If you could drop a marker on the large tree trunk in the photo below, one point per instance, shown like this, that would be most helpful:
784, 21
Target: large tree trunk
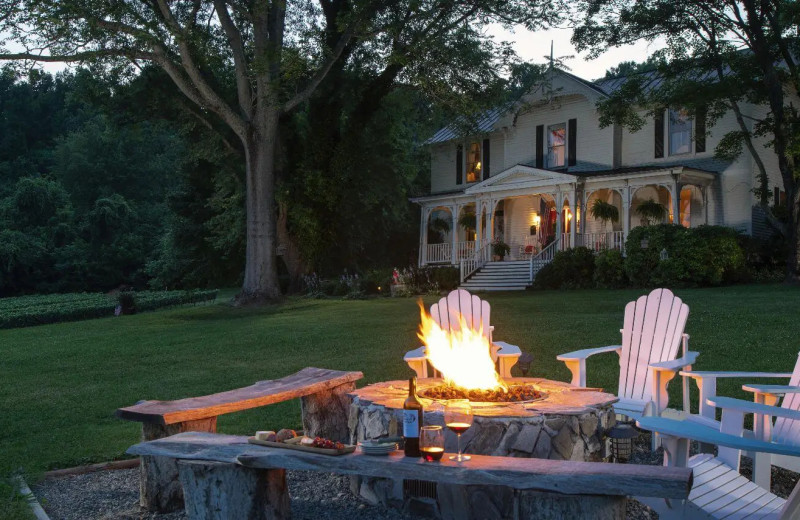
260, 271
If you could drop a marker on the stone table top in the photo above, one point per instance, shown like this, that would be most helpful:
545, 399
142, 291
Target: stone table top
562, 398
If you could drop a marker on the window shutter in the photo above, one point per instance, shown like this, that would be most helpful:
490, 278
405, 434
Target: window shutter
487, 156
700, 129
572, 136
659, 134
459, 164
540, 146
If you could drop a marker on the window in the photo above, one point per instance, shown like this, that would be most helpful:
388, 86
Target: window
474, 162
556, 145
680, 132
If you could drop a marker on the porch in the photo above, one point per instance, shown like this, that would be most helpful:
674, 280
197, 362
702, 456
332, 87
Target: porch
538, 212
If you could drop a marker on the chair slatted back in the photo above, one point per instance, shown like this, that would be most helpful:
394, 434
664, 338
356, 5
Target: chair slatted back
474, 310
787, 431
651, 333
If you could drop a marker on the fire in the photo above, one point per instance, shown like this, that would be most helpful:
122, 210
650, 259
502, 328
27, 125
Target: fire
463, 356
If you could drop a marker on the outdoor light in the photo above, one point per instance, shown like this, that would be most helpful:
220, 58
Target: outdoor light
622, 436
524, 362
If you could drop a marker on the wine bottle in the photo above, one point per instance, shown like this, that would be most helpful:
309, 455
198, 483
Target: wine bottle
412, 420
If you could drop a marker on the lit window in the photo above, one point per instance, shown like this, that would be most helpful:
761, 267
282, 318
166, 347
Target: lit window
556, 145
680, 132
473, 162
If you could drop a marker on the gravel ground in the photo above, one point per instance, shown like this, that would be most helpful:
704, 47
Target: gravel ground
114, 494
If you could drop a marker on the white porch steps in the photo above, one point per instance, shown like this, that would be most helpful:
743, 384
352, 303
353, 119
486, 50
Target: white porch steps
500, 276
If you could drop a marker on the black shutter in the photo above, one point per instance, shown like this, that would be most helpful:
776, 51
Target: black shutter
459, 164
700, 130
572, 136
540, 146
487, 157
659, 134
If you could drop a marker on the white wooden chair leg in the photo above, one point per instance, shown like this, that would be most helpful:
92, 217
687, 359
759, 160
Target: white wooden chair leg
762, 430
578, 369
420, 367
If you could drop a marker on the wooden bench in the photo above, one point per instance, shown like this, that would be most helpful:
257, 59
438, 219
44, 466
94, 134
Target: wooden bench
225, 477
324, 404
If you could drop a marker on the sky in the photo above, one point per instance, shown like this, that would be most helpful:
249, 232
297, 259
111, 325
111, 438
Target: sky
535, 47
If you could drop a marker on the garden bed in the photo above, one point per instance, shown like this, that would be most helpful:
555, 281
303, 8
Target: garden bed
26, 311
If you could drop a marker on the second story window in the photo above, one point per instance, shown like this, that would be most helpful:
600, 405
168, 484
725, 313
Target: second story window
556, 145
680, 132
474, 162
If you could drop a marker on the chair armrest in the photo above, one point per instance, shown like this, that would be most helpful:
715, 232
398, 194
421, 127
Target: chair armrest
587, 352
771, 389
576, 361
697, 432
417, 353
507, 349
675, 364
729, 403
701, 374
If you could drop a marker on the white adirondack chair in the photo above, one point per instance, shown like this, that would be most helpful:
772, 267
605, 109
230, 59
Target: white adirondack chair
718, 490
476, 313
785, 431
651, 337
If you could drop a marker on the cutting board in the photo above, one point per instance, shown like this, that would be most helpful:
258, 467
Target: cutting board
294, 444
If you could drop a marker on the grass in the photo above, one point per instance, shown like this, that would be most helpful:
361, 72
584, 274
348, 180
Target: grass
61, 383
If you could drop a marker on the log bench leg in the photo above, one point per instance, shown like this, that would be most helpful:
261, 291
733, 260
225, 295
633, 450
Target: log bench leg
224, 491
159, 487
325, 414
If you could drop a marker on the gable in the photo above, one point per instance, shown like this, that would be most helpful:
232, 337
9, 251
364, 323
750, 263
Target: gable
519, 176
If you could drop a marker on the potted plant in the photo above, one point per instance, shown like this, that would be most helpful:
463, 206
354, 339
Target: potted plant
604, 211
499, 250
651, 212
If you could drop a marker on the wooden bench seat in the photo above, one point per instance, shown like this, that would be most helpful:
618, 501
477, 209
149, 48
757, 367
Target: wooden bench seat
324, 404
539, 488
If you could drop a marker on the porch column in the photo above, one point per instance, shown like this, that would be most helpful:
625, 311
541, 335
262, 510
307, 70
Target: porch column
489, 222
423, 242
573, 206
676, 200
478, 224
559, 217
626, 211
454, 237
704, 193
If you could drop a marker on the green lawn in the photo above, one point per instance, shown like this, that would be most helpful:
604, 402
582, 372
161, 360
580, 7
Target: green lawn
60, 384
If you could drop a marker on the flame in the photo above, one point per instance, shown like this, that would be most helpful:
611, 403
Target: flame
463, 356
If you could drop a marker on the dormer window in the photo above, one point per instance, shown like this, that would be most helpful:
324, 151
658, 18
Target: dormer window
474, 162
556, 145
680, 132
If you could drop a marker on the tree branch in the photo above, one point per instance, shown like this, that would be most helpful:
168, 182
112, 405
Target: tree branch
321, 73
243, 89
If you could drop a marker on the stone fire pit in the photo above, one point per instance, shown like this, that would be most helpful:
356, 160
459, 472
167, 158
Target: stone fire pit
568, 424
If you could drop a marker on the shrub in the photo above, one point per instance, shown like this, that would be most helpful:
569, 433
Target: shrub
570, 269
675, 256
377, 281
446, 278
609, 270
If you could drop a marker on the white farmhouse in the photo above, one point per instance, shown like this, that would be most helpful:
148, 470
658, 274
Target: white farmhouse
535, 170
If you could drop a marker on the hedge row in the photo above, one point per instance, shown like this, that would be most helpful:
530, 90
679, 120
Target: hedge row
26, 311
656, 256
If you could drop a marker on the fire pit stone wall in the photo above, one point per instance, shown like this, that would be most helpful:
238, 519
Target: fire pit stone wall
568, 424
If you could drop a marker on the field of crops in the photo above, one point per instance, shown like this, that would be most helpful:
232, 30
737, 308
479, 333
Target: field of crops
24, 311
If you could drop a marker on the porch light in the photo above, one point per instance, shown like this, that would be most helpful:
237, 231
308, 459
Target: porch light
569, 215
478, 165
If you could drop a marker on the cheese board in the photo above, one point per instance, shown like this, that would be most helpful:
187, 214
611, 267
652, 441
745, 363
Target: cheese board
294, 444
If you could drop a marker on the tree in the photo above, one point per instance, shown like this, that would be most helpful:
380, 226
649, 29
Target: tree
246, 65
719, 56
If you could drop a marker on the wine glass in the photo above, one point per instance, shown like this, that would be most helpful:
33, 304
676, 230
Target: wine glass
458, 417
431, 443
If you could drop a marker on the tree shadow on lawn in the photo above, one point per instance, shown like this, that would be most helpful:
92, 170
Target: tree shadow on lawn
229, 312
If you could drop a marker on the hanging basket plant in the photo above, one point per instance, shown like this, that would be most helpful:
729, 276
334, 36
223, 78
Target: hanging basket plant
605, 211
468, 221
651, 212
437, 228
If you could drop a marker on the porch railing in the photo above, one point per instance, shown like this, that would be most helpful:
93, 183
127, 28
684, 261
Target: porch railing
438, 253
468, 266
464, 250
544, 257
601, 241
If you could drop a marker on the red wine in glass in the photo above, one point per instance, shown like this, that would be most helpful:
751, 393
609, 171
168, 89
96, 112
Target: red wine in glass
432, 454
458, 427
